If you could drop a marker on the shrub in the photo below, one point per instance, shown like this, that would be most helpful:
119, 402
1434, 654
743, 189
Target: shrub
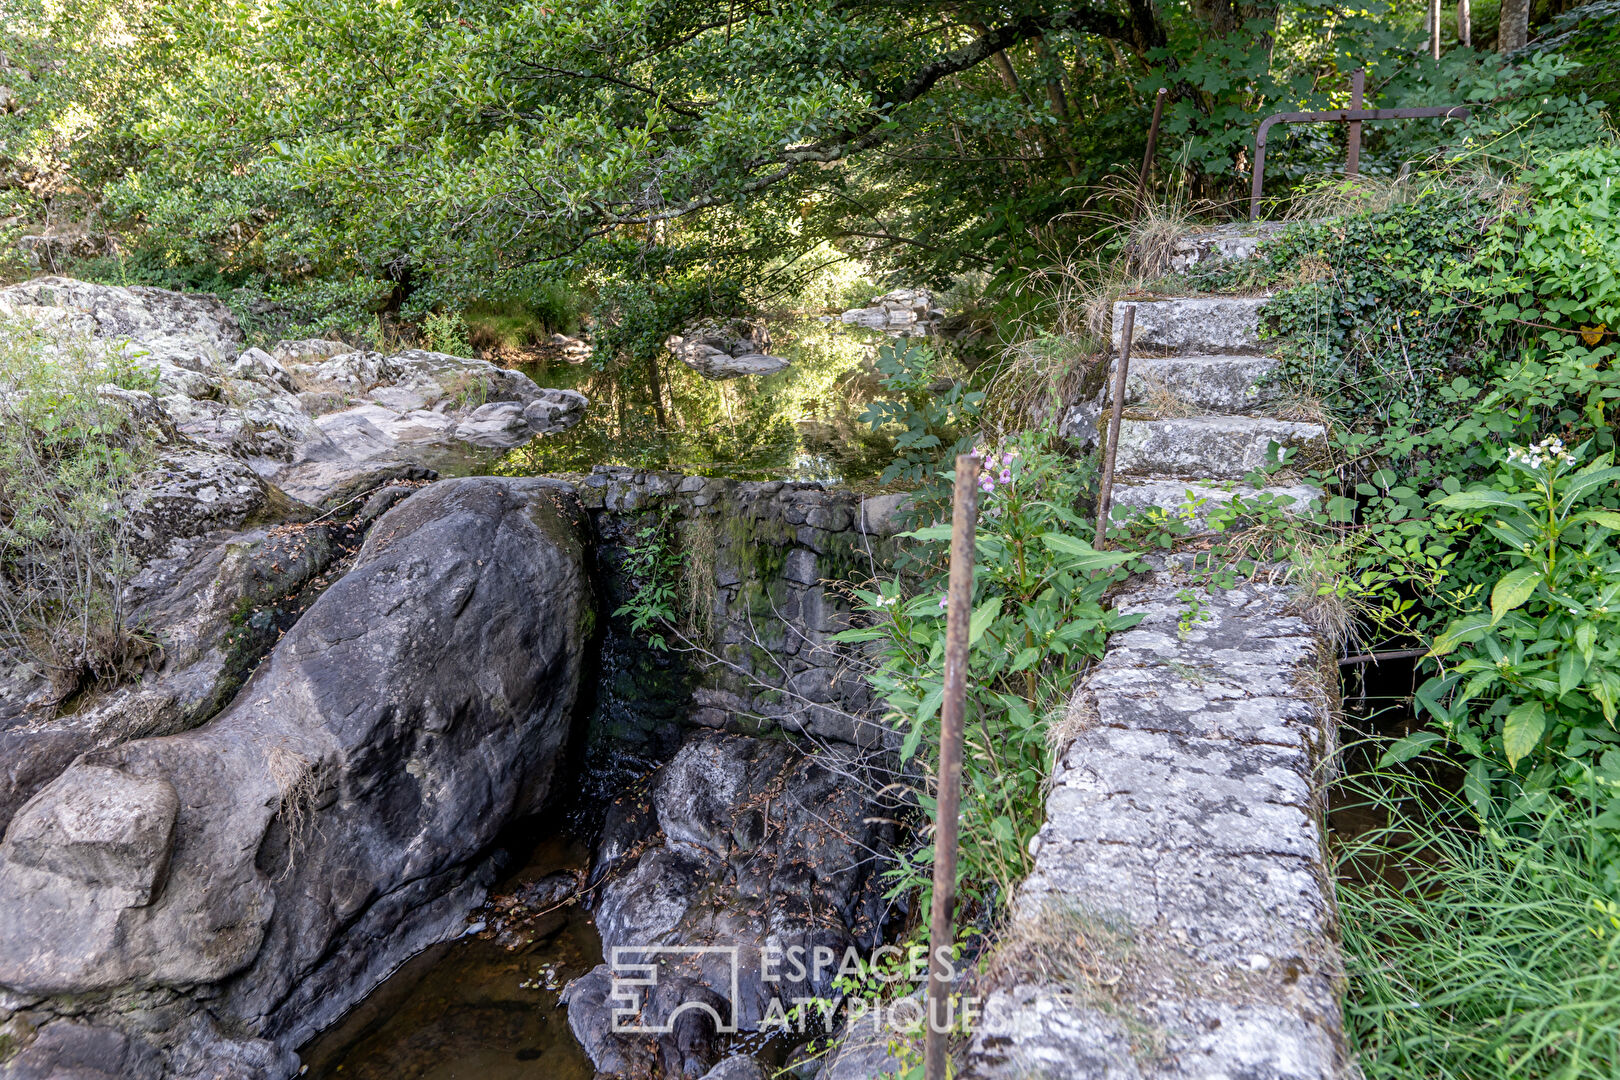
68, 459
1038, 618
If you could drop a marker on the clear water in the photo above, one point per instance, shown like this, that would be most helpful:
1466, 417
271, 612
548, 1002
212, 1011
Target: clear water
479, 1008
799, 424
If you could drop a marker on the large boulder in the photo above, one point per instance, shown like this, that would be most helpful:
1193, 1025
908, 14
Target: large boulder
260, 874
745, 844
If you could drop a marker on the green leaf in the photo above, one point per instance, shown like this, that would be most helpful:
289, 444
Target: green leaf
930, 704
1481, 500
1025, 658
1571, 670
1522, 730
1460, 632
1086, 557
982, 618
1408, 748
1513, 590
1607, 518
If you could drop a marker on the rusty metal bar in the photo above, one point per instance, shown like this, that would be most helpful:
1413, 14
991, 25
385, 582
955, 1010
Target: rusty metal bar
1342, 116
1147, 158
958, 612
1105, 493
1358, 86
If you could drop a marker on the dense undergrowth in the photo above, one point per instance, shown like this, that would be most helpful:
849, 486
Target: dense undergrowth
1459, 339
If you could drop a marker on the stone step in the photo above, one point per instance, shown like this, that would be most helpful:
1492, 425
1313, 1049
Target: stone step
1193, 326
1212, 447
1192, 501
1220, 384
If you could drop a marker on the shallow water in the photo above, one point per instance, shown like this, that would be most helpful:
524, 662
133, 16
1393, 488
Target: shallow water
474, 1009
799, 424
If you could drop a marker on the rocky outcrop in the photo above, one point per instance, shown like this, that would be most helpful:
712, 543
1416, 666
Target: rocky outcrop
726, 351
741, 845
198, 904
311, 416
899, 311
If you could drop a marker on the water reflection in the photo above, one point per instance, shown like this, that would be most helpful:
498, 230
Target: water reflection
476, 1008
799, 424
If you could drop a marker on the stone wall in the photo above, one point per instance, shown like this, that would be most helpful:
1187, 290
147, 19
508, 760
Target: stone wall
765, 566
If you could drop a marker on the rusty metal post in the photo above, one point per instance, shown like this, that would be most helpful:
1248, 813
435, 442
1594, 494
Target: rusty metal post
1358, 86
1147, 158
1105, 493
958, 612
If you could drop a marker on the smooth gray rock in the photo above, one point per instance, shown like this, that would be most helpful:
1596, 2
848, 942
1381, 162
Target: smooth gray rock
1203, 325
899, 311
884, 515
555, 411
497, 424
1210, 384
1213, 447
736, 1067
104, 829
331, 820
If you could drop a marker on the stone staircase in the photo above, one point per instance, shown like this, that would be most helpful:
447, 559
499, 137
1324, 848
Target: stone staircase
1202, 354
1179, 920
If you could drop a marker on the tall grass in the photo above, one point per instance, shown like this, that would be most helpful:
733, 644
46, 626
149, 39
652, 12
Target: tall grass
1476, 953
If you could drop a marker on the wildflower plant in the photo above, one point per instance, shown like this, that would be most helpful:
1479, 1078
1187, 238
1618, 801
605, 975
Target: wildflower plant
1530, 686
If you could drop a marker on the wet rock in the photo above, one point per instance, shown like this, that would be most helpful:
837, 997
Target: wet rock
736, 1067
762, 845
899, 311
330, 822
727, 351
555, 411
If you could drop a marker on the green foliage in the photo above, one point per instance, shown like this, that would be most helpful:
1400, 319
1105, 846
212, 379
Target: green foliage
446, 332
653, 565
1037, 618
1531, 686
1473, 952
68, 460
933, 414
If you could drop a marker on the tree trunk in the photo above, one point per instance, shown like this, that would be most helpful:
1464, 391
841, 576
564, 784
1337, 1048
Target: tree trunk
1434, 28
1514, 28
1059, 101
1465, 24
656, 385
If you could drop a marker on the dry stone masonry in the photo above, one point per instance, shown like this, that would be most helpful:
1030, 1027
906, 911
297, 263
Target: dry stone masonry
1180, 914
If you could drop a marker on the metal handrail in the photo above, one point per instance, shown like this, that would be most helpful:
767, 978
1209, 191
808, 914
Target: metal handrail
1353, 116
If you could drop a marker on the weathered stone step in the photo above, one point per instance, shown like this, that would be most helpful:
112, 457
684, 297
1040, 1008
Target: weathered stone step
1191, 326
1222, 384
1193, 501
1212, 447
